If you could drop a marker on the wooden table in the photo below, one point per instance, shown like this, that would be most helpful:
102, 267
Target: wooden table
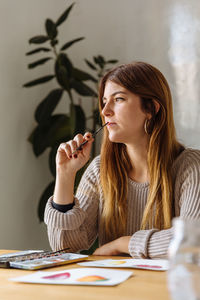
144, 285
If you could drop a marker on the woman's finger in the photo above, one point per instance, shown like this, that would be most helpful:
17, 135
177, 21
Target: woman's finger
82, 141
70, 147
88, 136
73, 144
65, 147
79, 139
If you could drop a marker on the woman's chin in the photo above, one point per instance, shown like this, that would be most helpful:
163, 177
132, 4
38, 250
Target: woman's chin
115, 139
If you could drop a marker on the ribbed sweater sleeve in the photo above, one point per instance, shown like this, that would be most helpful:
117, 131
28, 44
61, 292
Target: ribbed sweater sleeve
154, 243
62, 207
76, 228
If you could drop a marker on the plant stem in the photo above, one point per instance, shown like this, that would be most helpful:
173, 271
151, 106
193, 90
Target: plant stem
55, 51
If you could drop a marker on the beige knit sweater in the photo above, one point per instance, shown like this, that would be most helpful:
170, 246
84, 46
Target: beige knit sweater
79, 227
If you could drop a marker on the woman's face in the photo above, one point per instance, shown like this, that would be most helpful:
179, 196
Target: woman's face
122, 109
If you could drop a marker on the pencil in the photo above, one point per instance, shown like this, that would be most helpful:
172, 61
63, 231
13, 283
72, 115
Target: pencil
93, 135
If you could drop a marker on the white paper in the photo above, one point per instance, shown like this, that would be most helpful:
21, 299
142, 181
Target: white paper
147, 264
80, 276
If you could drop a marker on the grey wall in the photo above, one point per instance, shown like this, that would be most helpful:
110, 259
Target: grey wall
162, 32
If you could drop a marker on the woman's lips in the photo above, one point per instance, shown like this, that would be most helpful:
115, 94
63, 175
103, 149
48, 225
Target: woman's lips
110, 124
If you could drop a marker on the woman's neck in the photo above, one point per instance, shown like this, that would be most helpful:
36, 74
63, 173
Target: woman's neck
138, 157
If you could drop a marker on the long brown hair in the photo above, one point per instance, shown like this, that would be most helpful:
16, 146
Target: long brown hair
150, 85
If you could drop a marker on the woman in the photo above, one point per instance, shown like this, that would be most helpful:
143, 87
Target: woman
142, 179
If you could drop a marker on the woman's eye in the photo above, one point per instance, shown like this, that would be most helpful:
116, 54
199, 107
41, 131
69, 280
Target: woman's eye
119, 99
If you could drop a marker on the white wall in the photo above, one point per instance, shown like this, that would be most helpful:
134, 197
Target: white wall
162, 32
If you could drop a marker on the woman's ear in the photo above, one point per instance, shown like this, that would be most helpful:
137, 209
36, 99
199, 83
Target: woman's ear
157, 105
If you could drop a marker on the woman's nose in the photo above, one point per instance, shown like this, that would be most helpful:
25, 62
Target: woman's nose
107, 110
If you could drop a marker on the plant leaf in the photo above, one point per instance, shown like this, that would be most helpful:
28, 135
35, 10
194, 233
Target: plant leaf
43, 49
48, 192
38, 62
112, 61
48, 104
50, 132
51, 29
39, 81
72, 118
63, 60
54, 42
63, 71
82, 76
52, 159
77, 120
80, 120
82, 89
60, 131
30, 138
92, 66
39, 39
70, 43
64, 16
99, 60
52, 154
97, 117
62, 77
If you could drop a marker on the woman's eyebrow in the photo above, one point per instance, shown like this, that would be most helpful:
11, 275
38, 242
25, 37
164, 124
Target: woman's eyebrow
115, 93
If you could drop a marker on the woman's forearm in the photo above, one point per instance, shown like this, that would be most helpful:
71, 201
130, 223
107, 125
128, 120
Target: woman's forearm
116, 247
64, 189
123, 243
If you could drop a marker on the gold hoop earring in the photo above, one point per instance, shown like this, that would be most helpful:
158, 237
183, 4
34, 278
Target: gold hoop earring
146, 124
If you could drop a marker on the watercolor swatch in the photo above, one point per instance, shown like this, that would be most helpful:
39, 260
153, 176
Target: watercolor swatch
146, 264
79, 276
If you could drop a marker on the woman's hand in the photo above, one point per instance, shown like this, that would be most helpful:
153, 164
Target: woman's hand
70, 160
116, 247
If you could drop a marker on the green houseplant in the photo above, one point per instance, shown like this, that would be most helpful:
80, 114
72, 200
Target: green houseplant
51, 129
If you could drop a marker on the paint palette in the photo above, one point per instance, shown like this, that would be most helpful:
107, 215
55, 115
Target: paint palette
79, 276
29, 260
